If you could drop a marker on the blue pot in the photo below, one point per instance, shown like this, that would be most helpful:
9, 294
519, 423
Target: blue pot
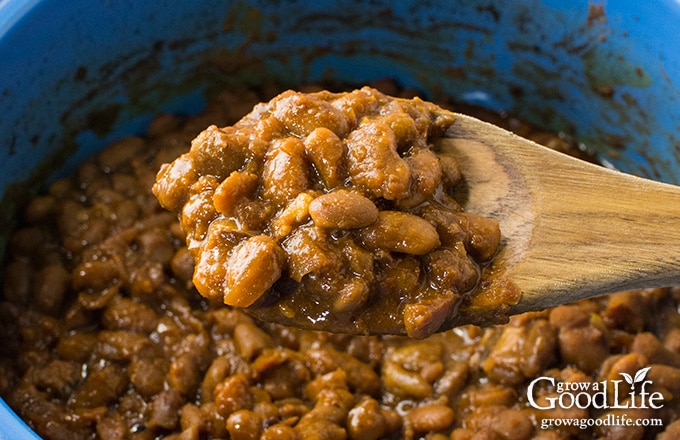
75, 75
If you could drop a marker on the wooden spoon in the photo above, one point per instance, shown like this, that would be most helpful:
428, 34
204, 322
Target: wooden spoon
571, 230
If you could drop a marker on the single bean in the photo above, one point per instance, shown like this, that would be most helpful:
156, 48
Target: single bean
185, 373
58, 376
404, 383
268, 129
77, 346
280, 431
218, 370
397, 231
426, 173
360, 376
433, 417
512, 424
491, 395
343, 209
153, 245
174, 179
424, 317
250, 340
199, 211
182, 264
192, 416
121, 345
101, 387
451, 173
521, 352
127, 314
326, 151
571, 315
671, 340
628, 363
245, 425
451, 269
232, 189
233, 394
586, 347
626, 310
285, 173
405, 130
165, 409
483, 235
352, 295
96, 300
95, 274
329, 413
374, 162
309, 251
293, 215
365, 421
253, 268
111, 427
148, 375
211, 266
215, 152
282, 373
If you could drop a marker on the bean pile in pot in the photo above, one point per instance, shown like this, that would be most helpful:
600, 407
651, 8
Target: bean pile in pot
331, 204
106, 337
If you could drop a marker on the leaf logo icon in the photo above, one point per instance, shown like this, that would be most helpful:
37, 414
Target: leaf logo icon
639, 376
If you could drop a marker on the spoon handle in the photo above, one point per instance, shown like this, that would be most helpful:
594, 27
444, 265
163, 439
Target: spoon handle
599, 231
572, 230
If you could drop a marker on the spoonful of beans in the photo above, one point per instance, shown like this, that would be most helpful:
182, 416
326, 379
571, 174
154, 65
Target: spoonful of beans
361, 213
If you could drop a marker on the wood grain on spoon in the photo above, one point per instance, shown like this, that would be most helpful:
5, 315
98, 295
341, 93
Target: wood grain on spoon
572, 230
